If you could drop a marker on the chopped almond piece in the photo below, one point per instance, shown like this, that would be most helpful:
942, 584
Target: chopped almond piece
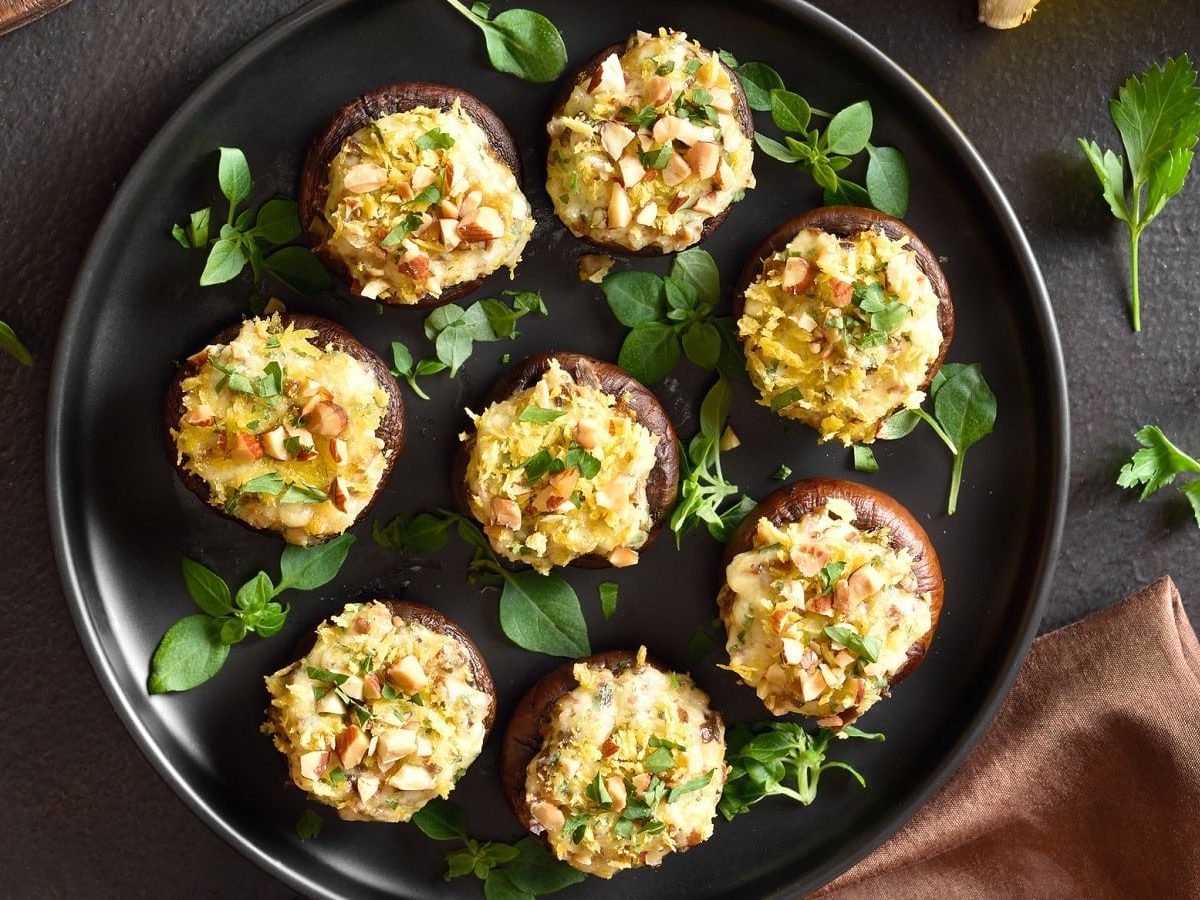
657, 90
352, 746
394, 744
372, 687
722, 99
616, 790
666, 129
642, 780
331, 704
246, 448
327, 419
830, 722
823, 605
485, 225
615, 137
364, 177
619, 213
366, 787
647, 215
414, 265
272, 442
609, 747
505, 512
449, 232
448, 208
412, 778
338, 451
703, 157
691, 133
314, 764
407, 675
313, 388
677, 203
200, 417
352, 687
841, 596
798, 275
586, 434
549, 816
373, 288
623, 557
843, 293
865, 581
843, 658
422, 177
307, 448
594, 266
709, 204
724, 178
677, 171
811, 685
405, 191
793, 650
631, 170
339, 494
424, 747
470, 204
199, 358
611, 78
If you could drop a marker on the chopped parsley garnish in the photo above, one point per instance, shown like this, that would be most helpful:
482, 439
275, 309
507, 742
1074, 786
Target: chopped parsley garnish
783, 473
864, 646
435, 139
410, 223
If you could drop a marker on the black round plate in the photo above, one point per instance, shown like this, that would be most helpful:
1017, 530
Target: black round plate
121, 519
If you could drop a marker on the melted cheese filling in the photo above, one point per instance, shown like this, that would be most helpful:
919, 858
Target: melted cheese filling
843, 335
558, 471
649, 149
380, 717
419, 202
631, 768
802, 581
283, 431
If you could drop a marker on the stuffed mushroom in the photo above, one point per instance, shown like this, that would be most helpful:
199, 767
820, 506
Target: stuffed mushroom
615, 762
845, 317
286, 424
412, 193
384, 713
832, 595
572, 461
650, 145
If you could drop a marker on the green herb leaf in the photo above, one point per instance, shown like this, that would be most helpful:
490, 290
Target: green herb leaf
318, 674
689, 786
898, 425
789, 111
441, 820
233, 174
541, 613
1156, 465
254, 594
413, 535
965, 408
758, 81
864, 458
302, 493
225, 261
521, 42
189, 654
298, 269
536, 872
649, 352
308, 826
410, 223
702, 344
887, 180
597, 792
608, 591
635, 297
11, 344
829, 574
539, 415
786, 398
849, 130
271, 382
498, 885
453, 347
783, 473
435, 139
697, 268
308, 568
277, 221
776, 150
206, 588
864, 646
233, 631
271, 483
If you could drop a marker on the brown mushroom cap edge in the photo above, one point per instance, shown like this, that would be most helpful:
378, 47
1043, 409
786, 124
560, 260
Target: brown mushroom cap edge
846, 221
391, 426
662, 485
741, 112
370, 107
873, 509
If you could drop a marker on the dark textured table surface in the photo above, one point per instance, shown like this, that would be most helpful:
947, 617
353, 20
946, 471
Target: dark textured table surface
84, 89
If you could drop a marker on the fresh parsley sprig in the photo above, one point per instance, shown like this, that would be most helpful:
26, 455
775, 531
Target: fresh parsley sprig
704, 494
195, 648
1158, 117
964, 413
1156, 465
519, 871
668, 314
778, 758
520, 42
824, 155
539, 613
11, 344
252, 238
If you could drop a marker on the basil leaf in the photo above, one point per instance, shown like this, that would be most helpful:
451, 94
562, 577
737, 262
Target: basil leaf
435, 139
649, 352
758, 81
189, 654
411, 535
441, 820
410, 223
497, 885
233, 631
522, 43
608, 591
308, 826
271, 383
402, 361
965, 407
254, 594
442, 318
714, 409
541, 613
789, 111
277, 221
540, 415
536, 872
899, 425
776, 150
702, 344
308, 568
318, 674
688, 786
427, 197
697, 268
635, 297
786, 399
271, 483
476, 324
206, 588
302, 493
453, 347
233, 174
783, 473
864, 459
887, 180
298, 269
225, 261
864, 646
829, 574
849, 130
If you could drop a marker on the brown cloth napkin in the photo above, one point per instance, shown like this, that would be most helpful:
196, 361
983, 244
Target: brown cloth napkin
1086, 785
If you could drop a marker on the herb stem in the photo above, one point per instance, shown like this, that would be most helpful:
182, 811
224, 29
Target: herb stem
955, 483
937, 429
466, 12
1135, 301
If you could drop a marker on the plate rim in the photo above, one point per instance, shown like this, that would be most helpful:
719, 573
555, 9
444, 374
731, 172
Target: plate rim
73, 327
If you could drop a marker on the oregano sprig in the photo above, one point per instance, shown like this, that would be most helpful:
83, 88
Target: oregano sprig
249, 237
825, 154
195, 648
